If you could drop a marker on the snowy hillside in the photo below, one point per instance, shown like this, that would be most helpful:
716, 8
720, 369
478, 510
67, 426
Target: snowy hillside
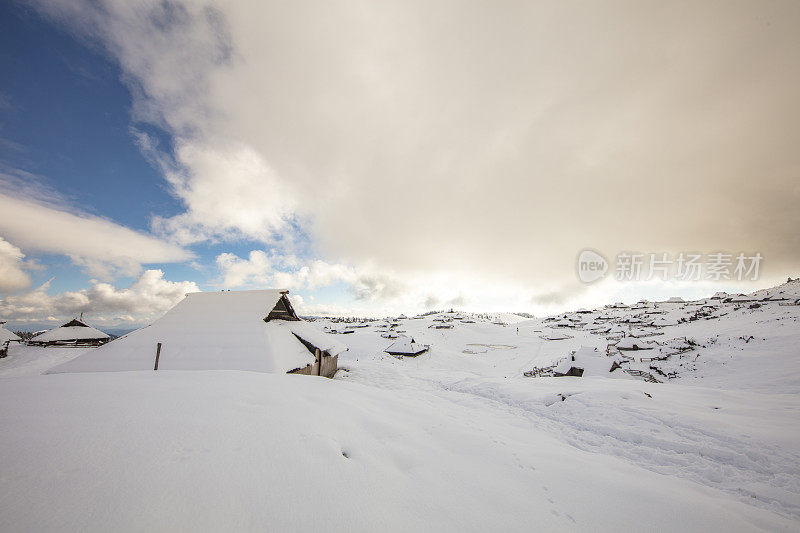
699, 429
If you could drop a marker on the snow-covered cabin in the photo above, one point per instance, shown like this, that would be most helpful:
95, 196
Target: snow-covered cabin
74, 333
407, 346
586, 361
230, 330
6, 335
632, 343
739, 299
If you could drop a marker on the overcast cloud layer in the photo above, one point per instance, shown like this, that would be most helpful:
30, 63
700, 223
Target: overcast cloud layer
458, 144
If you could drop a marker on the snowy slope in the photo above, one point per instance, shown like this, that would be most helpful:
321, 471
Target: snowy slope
213, 451
34, 360
456, 439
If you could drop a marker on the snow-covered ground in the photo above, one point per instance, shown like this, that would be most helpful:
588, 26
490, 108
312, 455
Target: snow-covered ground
454, 439
31, 360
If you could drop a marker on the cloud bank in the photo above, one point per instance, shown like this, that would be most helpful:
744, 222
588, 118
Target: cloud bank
12, 268
36, 219
146, 298
487, 142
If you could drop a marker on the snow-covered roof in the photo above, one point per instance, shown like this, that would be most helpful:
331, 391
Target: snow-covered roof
587, 358
213, 331
631, 343
73, 330
739, 298
6, 335
405, 345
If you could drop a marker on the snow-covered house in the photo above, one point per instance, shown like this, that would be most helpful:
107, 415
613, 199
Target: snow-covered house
229, 330
74, 333
739, 299
6, 335
586, 361
632, 343
407, 346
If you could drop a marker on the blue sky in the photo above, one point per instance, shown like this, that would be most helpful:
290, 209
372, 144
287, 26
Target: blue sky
66, 119
372, 167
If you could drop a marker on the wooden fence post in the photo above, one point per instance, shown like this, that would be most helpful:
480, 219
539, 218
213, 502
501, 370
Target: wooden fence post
158, 354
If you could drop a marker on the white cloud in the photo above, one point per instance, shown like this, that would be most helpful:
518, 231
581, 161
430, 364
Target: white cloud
237, 272
12, 268
147, 297
229, 192
472, 143
38, 220
278, 271
370, 288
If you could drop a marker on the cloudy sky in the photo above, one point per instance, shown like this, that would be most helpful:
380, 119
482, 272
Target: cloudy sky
378, 157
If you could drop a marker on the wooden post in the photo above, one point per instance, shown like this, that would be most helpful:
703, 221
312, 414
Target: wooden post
318, 357
158, 354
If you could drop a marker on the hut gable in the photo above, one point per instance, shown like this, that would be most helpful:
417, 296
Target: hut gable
75, 323
282, 310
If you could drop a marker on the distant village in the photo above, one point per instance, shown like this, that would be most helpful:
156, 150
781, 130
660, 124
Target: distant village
259, 330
